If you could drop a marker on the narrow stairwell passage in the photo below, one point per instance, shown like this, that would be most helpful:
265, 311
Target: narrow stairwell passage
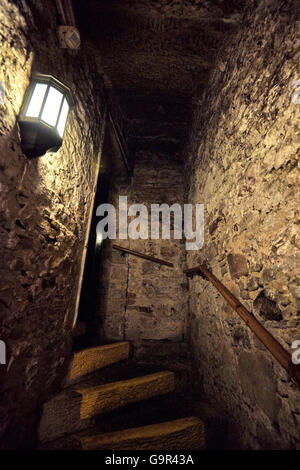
178, 106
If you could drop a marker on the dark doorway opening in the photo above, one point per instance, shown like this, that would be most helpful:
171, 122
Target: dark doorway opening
89, 289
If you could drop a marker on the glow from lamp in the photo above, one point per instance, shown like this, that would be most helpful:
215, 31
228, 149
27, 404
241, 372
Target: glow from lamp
52, 106
99, 238
63, 118
36, 100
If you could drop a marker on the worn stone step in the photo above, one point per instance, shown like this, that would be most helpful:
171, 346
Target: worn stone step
124, 370
89, 360
169, 407
75, 408
181, 434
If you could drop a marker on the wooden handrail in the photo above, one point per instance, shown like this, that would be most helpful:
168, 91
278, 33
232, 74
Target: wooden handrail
275, 348
142, 255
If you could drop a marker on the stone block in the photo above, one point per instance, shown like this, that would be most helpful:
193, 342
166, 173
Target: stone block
237, 265
258, 382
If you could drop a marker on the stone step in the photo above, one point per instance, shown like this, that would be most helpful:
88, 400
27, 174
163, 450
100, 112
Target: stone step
181, 434
168, 407
89, 360
124, 370
75, 408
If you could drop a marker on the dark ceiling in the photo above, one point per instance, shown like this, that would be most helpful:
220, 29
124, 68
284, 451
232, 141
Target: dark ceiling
157, 56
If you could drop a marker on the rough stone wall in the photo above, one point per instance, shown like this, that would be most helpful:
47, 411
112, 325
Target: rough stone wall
44, 207
139, 300
243, 164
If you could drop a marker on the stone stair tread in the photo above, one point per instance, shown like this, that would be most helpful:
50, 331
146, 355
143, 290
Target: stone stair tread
172, 406
180, 434
167, 407
74, 408
91, 359
159, 408
122, 370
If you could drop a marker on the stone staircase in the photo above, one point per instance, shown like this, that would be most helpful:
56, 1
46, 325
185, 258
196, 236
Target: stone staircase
111, 402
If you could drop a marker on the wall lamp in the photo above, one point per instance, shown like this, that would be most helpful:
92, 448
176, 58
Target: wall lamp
43, 115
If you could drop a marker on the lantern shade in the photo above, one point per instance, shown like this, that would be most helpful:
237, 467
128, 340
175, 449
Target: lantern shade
43, 115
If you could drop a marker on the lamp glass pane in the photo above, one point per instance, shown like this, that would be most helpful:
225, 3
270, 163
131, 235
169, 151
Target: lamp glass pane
36, 100
52, 106
63, 117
